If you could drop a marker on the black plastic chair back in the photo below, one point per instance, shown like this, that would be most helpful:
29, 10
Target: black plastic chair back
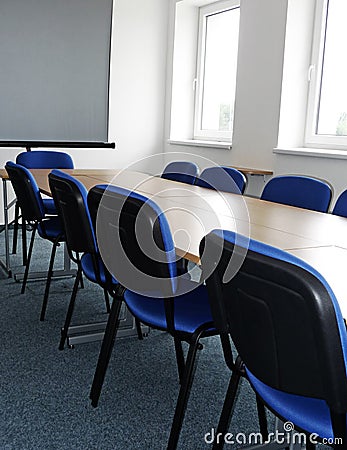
70, 198
27, 192
282, 319
134, 240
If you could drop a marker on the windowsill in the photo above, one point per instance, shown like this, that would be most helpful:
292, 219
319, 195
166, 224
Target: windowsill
200, 143
315, 152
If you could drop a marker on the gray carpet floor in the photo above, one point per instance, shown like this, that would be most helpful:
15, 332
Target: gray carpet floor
44, 392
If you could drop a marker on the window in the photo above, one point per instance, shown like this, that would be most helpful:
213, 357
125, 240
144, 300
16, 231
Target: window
216, 70
327, 103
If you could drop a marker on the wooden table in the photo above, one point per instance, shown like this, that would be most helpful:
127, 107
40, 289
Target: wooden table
318, 238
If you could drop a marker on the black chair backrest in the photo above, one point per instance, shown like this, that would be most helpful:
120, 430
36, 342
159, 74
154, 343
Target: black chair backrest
70, 198
27, 192
283, 318
134, 240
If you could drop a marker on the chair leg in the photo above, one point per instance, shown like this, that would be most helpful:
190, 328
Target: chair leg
69, 313
49, 279
24, 243
81, 279
138, 329
180, 359
228, 405
107, 301
262, 419
26, 272
106, 351
185, 388
15, 229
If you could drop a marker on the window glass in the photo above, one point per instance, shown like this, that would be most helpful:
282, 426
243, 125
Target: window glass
216, 78
332, 116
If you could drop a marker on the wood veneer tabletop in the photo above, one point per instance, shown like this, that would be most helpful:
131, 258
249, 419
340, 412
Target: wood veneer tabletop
250, 171
313, 227
325, 229
319, 228
319, 239
3, 174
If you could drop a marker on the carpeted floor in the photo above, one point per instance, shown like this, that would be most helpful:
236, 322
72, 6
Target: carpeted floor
44, 392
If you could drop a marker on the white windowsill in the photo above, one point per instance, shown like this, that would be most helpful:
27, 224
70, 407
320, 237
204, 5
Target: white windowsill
200, 143
315, 152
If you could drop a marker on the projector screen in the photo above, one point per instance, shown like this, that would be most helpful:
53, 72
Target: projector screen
54, 69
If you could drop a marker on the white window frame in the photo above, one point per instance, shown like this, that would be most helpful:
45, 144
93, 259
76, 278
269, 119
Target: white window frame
312, 139
204, 12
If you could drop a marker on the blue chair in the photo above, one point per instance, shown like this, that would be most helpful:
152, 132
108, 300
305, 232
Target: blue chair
33, 212
219, 178
45, 159
70, 197
300, 191
39, 159
182, 171
154, 294
340, 208
287, 327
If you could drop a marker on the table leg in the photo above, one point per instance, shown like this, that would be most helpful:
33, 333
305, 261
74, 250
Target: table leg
7, 265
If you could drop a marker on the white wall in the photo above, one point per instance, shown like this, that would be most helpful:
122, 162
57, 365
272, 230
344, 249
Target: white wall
138, 76
259, 78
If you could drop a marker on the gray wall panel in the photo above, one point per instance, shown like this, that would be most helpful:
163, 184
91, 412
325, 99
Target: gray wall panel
54, 69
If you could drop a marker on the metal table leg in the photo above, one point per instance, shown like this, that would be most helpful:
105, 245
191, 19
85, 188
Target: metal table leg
7, 265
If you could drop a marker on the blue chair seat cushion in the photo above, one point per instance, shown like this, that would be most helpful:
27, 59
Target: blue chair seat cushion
49, 206
51, 228
308, 414
191, 309
89, 271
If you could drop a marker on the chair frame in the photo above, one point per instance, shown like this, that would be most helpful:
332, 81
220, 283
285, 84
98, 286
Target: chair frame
314, 187
128, 204
181, 171
31, 204
43, 159
234, 180
290, 289
72, 209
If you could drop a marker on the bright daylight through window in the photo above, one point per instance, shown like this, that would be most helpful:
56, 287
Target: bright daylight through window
327, 107
216, 72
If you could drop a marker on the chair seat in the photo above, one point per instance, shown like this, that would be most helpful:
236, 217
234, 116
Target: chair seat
48, 204
309, 414
191, 309
51, 228
88, 269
